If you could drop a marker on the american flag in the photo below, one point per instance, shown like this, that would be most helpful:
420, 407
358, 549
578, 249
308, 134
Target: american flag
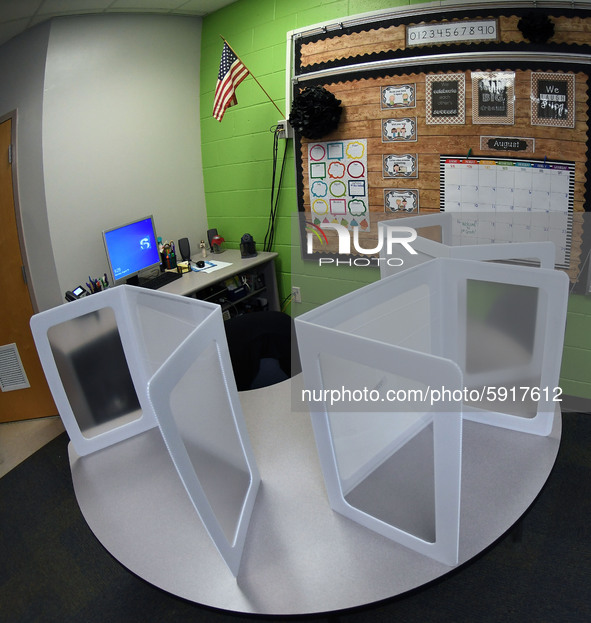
232, 73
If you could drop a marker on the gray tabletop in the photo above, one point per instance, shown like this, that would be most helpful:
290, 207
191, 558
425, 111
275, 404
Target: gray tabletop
300, 556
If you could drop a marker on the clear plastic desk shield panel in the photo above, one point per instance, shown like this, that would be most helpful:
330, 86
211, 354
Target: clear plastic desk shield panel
436, 239
98, 354
199, 413
504, 333
91, 363
509, 329
391, 459
90, 353
501, 347
379, 449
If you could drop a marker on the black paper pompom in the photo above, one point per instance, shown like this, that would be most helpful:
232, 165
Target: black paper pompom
536, 27
315, 112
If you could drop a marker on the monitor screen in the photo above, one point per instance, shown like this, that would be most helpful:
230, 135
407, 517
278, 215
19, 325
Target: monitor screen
131, 248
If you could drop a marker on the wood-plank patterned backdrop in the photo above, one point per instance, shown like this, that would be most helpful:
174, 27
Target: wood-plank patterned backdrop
362, 114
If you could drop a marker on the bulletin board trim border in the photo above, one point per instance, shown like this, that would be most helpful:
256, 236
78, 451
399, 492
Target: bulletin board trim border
453, 12
405, 14
468, 60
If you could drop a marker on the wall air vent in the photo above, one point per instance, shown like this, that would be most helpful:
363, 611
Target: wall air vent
12, 373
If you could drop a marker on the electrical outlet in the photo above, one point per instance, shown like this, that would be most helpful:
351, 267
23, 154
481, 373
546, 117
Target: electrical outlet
284, 129
296, 295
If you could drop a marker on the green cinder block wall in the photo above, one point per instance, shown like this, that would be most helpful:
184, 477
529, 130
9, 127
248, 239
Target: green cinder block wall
238, 151
238, 158
575, 375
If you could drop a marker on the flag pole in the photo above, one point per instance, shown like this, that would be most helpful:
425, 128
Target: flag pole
254, 77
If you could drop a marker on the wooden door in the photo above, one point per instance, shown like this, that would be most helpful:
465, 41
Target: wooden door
16, 310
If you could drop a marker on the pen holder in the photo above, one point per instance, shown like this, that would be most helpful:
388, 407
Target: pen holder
169, 261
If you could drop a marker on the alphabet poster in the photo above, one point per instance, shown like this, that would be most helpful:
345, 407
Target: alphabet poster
338, 183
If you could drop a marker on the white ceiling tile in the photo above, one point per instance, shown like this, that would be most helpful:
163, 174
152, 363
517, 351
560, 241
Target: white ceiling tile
203, 7
146, 5
18, 9
68, 7
11, 29
18, 15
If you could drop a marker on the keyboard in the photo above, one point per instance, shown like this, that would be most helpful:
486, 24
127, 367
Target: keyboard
161, 280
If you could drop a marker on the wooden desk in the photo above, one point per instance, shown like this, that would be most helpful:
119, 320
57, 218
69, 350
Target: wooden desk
202, 285
300, 556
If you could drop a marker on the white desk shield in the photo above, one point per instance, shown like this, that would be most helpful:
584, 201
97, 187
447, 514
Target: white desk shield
128, 359
434, 239
409, 347
197, 407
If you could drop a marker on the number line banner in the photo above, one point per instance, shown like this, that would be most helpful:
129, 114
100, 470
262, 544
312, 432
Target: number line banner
452, 32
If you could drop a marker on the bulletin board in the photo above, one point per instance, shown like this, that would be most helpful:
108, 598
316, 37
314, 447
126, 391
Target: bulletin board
415, 86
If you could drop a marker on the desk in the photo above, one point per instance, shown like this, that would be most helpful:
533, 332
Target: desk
198, 284
300, 556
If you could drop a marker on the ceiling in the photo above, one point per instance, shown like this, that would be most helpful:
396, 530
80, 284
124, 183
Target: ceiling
18, 15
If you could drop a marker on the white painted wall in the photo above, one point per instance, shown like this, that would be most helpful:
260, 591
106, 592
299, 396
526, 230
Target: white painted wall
121, 133
22, 66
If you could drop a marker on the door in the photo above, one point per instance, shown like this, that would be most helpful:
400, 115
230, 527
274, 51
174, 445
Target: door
19, 363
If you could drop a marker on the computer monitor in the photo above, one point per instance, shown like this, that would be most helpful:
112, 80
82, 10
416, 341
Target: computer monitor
131, 249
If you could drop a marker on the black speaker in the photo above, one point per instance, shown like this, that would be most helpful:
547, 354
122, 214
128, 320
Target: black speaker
247, 246
185, 249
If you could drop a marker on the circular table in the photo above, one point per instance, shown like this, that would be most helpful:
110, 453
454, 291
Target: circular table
300, 556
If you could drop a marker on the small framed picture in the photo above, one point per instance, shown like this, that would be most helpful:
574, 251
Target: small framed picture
403, 129
404, 200
400, 165
493, 97
398, 96
553, 99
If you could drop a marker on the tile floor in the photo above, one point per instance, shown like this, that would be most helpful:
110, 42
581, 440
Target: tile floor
18, 440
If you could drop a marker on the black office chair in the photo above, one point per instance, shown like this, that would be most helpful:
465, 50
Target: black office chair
260, 345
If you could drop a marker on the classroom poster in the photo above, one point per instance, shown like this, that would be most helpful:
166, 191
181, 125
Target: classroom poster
398, 96
445, 99
400, 165
493, 97
553, 99
396, 130
339, 183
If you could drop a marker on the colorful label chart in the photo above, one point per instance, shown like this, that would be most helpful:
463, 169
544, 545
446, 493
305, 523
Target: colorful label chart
509, 200
338, 183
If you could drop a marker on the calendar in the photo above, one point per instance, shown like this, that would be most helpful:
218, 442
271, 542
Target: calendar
509, 200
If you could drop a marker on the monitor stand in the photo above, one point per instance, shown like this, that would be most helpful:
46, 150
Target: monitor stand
139, 280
